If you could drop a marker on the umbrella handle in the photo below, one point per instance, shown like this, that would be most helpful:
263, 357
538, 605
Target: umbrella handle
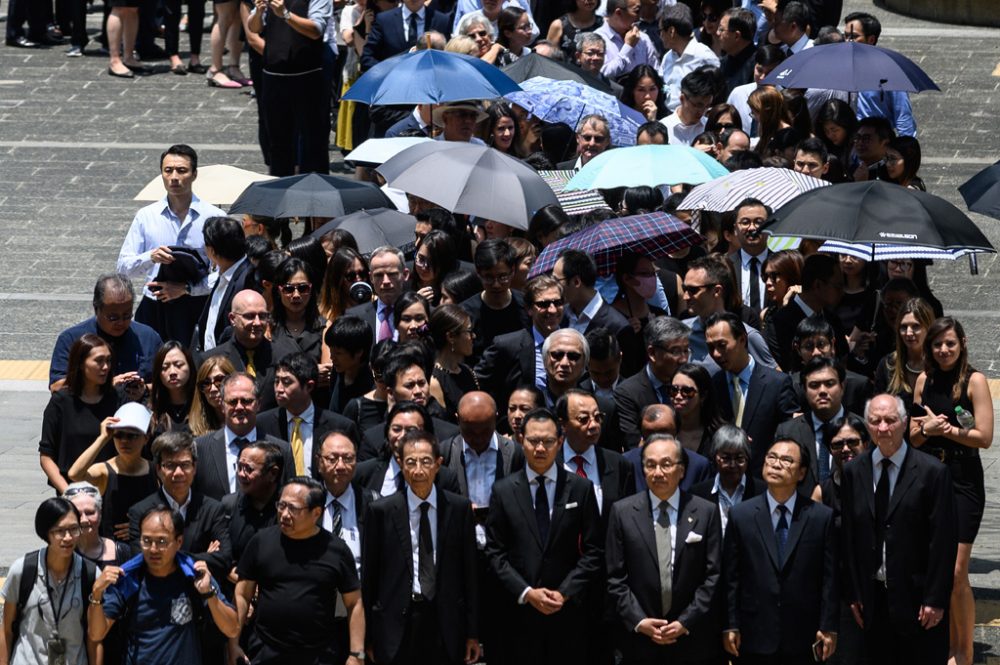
973, 264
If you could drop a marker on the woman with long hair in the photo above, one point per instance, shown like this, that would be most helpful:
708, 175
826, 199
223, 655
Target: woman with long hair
897, 372
524, 257
73, 416
782, 272
901, 163
836, 122
295, 312
410, 315
172, 391
697, 413
206, 409
642, 90
958, 424
346, 267
501, 128
767, 105
434, 259
636, 278
581, 16
459, 286
451, 334
860, 293
721, 117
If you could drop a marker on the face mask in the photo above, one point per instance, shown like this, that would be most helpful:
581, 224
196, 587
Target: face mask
646, 286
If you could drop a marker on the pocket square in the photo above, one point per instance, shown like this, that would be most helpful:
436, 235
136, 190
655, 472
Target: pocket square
571, 505
693, 537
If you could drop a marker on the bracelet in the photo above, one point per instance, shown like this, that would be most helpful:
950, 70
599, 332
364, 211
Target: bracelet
90, 599
360, 655
287, 14
922, 432
208, 595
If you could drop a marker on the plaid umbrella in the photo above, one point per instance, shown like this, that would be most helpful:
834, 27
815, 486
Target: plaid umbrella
774, 186
653, 235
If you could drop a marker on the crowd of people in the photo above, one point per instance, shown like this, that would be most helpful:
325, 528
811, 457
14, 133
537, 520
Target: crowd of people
291, 450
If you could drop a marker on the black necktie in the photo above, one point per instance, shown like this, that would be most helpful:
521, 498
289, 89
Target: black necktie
412, 40
425, 554
241, 442
542, 510
881, 508
338, 518
664, 394
399, 481
781, 532
754, 283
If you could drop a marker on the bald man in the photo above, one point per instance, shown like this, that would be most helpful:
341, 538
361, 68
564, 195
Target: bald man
480, 456
662, 419
249, 350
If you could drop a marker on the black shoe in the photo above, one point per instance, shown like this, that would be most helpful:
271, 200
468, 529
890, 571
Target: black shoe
197, 68
154, 53
139, 69
126, 75
179, 70
47, 41
21, 42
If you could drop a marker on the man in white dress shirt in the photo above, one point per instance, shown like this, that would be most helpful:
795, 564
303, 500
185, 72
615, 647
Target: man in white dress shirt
684, 53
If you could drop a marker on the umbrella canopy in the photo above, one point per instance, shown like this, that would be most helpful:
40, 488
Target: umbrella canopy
573, 203
654, 235
773, 186
850, 66
568, 101
310, 195
217, 184
470, 179
877, 212
374, 228
429, 77
981, 192
532, 65
379, 151
891, 252
651, 165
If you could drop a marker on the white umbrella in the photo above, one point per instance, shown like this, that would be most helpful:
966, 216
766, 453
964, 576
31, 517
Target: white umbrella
218, 184
380, 151
773, 186
890, 252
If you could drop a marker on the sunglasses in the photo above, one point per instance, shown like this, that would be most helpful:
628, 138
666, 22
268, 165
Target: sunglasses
695, 288
686, 391
574, 356
122, 435
356, 275
205, 384
545, 304
305, 288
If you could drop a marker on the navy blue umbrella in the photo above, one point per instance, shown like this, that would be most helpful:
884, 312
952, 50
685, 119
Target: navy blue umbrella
850, 66
429, 77
982, 191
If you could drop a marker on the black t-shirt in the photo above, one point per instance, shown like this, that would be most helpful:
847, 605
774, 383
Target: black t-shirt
70, 425
488, 322
297, 582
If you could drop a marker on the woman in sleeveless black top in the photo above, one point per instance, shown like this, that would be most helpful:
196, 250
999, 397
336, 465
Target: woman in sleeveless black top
946, 384
452, 335
581, 18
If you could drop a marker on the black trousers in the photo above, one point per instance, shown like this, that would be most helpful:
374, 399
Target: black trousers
422, 644
257, 76
776, 659
296, 110
173, 320
171, 25
887, 644
30, 11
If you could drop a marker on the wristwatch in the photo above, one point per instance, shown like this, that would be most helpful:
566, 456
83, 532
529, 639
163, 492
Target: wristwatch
360, 655
287, 14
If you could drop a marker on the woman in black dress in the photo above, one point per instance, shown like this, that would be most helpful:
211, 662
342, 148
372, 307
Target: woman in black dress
947, 386
698, 416
452, 335
897, 372
75, 412
370, 409
581, 16
296, 312
172, 391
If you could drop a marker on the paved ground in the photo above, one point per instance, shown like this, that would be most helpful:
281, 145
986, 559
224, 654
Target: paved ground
76, 145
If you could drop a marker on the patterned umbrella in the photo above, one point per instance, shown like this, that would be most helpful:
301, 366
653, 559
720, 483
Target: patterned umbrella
654, 235
568, 101
774, 186
574, 203
890, 252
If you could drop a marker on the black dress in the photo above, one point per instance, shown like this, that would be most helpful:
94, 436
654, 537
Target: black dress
120, 494
569, 32
963, 462
70, 425
454, 386
366, 412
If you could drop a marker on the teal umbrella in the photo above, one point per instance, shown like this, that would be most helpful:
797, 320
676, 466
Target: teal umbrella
651, 165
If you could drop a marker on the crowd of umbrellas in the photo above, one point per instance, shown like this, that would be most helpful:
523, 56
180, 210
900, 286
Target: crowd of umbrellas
872, 220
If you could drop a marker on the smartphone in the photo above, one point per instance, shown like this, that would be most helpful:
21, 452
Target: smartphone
818, 651
917, 411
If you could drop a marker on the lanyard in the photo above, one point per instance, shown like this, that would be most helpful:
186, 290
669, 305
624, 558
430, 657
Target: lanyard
57, 612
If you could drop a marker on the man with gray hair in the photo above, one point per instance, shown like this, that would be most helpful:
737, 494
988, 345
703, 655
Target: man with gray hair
666, 349
732, 484
565, 355
389, 275
133, 344
593, 136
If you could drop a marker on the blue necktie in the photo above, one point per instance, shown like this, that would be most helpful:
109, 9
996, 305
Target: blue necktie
542, 511
781, 533
412, 40
823, 462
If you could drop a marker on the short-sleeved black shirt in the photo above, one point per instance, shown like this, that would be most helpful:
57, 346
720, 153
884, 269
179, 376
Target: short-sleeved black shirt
297, 582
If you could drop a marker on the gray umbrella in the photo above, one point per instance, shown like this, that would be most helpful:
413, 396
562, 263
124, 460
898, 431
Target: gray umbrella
375, 228
470, 179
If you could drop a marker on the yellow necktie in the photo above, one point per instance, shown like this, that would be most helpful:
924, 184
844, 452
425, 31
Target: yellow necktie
738, 400
251, 370
298, 447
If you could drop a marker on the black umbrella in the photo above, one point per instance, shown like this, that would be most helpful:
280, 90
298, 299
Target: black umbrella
533, 65
375, 228
874, 212
310, 195
982, 192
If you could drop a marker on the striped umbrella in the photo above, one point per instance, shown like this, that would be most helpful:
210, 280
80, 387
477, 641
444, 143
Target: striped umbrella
774, 186
574, 203
653, 235
890, 252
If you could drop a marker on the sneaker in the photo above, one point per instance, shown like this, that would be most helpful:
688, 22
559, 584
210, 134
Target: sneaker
74, 52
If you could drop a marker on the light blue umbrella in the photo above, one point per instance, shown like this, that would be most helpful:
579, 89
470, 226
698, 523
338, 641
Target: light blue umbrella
568, 101
651, 165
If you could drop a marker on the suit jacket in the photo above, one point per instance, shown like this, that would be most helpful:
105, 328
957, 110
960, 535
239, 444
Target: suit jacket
698, 469
769, 401
244, 277
373, 438
386, 37
387, 549
779, 605
370, 474
212, 476
634, 577
266, 356
205, 521
735, 260
779, 332
405, 125
507, 363
857, 390
274, 423
606, 317
631, 396
510, 458
617, 479
800, 428
368, 312
921, 539
568, 165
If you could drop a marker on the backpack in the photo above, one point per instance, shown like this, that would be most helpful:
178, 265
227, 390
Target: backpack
29, 573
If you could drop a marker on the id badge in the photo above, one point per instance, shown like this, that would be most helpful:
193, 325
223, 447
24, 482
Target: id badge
56, 646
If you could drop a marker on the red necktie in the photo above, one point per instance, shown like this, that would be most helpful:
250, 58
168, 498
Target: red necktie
579, 466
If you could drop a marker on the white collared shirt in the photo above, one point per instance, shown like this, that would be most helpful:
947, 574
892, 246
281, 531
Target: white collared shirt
306, 431
674, 67
389, 483
413, 503
349, 531
745, 275
773, 504
589, 467
406, 22
580, 323
182, 508
215, 304
550, 485
673, 511
726, 501
233, 453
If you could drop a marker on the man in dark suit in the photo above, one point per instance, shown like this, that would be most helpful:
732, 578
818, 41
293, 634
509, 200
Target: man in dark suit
662, 419
220, 450
387, 267
666, 349
422, 595
815, 337
515, 358
780, 568
398, 30
664, 559
592, 138
754, 397
748, 259
418, 121
823, 382
586, 309
544, 543
248, 350
731, 484
296, 419
900, 541
226, 247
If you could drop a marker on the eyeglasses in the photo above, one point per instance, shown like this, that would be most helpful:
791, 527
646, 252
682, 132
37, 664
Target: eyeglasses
852, 442
545, 304
496, 279
243, 467
205, 384
414, 462
665, 465
573, 356
771, 275
114, 318
545, 443
294, 510
779, 460
819, 345
170, 467
305, 288
686, 391
122, 435
148, 543
731, 460
332, 459
72, 531
241, 401
746, 222
693, 289
585, 418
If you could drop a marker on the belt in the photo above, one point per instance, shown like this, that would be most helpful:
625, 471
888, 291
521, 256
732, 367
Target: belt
949, 454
